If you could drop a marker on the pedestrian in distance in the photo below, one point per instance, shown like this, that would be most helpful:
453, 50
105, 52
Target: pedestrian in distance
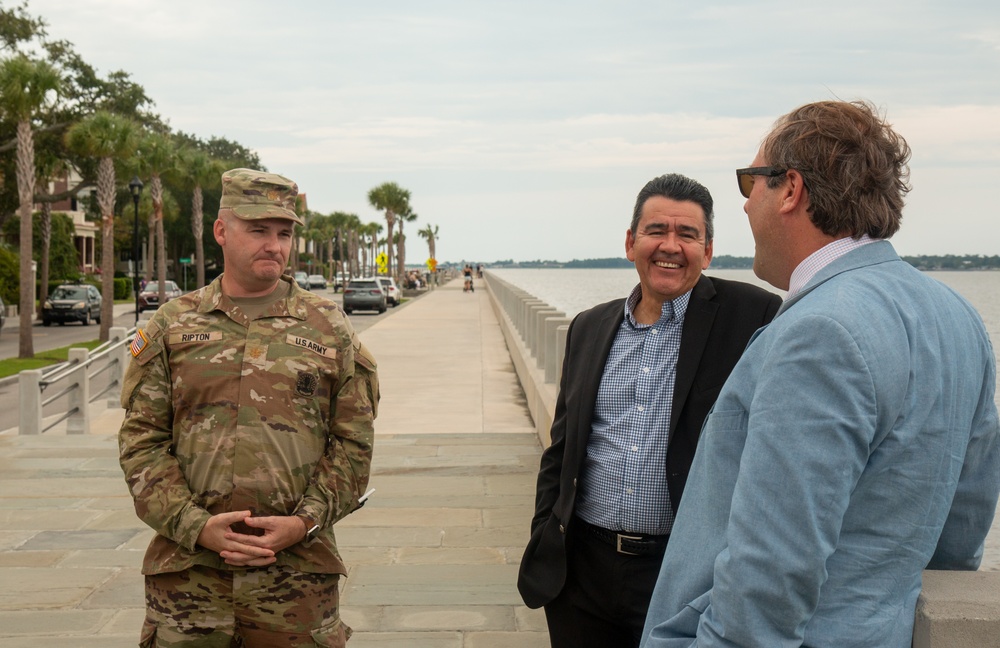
639, 376
856, 443
467, 277
248, 434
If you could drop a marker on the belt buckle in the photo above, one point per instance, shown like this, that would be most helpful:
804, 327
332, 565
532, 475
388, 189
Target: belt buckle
619, 537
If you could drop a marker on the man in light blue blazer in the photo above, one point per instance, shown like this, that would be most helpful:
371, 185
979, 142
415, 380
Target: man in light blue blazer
856, 443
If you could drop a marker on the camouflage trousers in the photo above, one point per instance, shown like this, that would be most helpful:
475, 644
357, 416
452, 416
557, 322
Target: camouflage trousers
267, 607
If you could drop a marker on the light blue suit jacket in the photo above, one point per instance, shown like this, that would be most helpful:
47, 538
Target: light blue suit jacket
855, 444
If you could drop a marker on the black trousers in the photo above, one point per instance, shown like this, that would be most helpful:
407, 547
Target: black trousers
604, 601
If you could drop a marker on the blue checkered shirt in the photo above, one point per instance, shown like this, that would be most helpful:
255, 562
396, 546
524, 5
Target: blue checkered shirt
623, 485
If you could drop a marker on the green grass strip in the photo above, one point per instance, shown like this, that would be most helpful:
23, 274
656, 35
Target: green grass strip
12, 366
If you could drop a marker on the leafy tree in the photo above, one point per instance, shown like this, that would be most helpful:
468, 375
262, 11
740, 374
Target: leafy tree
232, 154
17, 26
65, 260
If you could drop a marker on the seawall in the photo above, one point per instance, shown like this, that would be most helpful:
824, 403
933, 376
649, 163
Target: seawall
955, 609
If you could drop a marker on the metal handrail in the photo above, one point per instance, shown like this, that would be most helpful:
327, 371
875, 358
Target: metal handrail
112, 357
99, 353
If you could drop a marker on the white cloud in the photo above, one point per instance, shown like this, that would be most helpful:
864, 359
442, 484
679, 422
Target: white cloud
525, 128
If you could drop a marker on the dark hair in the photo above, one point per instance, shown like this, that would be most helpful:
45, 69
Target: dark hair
854, 165
676, 187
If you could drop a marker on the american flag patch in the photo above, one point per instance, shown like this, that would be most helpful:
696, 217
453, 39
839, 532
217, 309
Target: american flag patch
138, 343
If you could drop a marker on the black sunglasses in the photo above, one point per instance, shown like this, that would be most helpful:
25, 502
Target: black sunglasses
744, 177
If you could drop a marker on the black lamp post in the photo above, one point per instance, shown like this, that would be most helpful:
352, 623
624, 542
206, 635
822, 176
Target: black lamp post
135, 187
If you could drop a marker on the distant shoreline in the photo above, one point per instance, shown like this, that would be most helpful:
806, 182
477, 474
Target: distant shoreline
725, 262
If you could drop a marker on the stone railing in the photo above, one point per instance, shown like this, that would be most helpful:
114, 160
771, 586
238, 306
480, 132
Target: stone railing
72, 380
536, 337
955, 609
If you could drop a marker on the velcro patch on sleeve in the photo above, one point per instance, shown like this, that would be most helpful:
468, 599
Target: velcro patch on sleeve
194, 337
315, 347
139, 343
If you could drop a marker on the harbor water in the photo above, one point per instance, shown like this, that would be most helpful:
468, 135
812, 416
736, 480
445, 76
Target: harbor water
573, 290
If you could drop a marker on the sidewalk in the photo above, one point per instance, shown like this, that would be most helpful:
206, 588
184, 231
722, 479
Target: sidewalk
433, 556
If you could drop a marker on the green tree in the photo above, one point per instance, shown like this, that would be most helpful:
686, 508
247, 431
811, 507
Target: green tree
392, 198
17, 26
64, 258
9, 275
105, 137
24, 88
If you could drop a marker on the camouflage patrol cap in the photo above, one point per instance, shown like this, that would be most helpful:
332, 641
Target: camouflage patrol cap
254, 195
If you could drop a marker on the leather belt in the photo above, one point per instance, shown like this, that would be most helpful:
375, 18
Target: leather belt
629, 544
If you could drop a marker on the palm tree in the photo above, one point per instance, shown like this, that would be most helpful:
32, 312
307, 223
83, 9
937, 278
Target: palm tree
405, 217
394, 200
105, 136
319, 231
368, 241
430, 234
202, 171
157, 155
341, 224
24, 86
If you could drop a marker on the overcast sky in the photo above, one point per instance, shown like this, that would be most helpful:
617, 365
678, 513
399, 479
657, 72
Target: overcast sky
524, 129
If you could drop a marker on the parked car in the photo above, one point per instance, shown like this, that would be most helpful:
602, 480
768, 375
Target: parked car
302, 279
339, 281
72, 303
317, 282
149, 297
393, 295
364, 294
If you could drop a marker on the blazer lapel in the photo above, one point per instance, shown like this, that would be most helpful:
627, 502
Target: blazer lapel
694, 338
600, 338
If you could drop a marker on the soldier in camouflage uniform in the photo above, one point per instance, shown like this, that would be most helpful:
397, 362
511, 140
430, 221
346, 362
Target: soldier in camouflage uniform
248, 434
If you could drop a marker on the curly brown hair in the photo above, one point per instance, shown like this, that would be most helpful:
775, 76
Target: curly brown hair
854, 166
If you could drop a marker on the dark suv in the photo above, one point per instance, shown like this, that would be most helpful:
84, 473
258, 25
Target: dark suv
364, 294
72, 303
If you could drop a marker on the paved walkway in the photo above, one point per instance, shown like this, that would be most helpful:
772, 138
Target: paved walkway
433, 555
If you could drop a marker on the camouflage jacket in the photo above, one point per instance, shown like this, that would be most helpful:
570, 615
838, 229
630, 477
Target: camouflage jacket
224, 414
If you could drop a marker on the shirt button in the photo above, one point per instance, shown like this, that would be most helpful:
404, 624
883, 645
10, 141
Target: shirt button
641, 408
635, 448
628, 490
645, 370
654, 331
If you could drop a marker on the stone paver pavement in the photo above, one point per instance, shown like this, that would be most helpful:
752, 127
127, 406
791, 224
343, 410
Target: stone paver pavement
433, 555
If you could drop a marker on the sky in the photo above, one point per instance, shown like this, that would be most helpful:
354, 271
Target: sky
524, 129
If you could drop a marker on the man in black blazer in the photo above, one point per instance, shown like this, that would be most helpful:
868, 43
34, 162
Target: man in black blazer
639, 377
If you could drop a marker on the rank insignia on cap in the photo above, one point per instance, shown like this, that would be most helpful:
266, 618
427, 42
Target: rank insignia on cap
139, 343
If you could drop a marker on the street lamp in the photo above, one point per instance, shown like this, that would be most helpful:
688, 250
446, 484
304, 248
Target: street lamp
135, 187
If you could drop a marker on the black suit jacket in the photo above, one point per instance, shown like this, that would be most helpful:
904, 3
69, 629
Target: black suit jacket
720, 318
